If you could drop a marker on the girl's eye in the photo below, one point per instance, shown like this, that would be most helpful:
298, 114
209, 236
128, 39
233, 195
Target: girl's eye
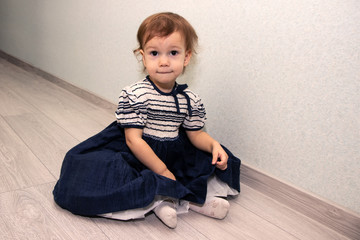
154, 53
173, 53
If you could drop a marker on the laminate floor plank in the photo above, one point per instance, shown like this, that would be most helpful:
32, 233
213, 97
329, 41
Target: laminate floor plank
63, 109
39, 90
13, 104
5, 231
47, 140
77, 124
102, 116
77, 227
55, 102
25, 218
282, 216
21, 165
31, 85
149, 228
320, 210
31, 214
12, 73
8, 182
240, 223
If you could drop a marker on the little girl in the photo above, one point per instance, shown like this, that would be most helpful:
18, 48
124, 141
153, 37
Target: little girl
155, 157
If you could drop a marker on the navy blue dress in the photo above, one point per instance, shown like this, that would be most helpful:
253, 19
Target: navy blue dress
101, 175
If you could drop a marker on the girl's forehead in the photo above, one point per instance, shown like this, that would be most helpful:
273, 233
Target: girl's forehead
174, 38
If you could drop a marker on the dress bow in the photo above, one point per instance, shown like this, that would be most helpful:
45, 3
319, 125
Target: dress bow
180, 89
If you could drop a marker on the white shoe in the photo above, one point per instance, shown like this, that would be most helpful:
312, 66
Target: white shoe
167, 214
214, 207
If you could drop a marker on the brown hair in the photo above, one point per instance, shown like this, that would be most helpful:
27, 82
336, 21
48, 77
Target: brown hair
164, 24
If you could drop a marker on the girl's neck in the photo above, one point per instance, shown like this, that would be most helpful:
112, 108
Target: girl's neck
165, 88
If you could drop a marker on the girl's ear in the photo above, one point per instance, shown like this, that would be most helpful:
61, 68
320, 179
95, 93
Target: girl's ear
143, 57
187, 57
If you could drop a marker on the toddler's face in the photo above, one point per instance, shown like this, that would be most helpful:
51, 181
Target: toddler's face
164, 59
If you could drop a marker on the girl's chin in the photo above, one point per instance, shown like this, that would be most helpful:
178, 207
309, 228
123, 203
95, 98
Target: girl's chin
165, 86
164, 79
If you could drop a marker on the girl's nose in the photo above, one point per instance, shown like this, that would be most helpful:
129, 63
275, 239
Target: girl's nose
163, 61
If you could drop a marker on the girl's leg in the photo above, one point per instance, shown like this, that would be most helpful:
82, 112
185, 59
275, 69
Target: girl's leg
214, 207
167, 213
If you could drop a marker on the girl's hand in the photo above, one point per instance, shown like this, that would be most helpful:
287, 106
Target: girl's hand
145, 154
220, 158
168, 174
203, 141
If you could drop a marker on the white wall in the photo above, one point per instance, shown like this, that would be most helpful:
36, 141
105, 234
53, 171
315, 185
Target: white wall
280, 79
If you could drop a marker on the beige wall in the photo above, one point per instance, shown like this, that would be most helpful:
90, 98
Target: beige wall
280, 79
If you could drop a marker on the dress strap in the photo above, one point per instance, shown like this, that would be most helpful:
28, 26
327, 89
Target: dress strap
180, 89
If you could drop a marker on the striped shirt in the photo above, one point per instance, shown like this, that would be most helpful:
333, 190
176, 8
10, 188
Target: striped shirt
160, 115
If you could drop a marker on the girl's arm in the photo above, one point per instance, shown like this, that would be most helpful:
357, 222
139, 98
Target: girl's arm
144, 153
203, 141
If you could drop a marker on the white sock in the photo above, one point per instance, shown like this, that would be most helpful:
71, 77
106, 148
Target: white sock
167, 214
214, 207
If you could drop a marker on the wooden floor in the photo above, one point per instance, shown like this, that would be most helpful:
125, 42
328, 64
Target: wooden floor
40, 121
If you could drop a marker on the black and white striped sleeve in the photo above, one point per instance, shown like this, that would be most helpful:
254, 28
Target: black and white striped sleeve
131, 112
196, 120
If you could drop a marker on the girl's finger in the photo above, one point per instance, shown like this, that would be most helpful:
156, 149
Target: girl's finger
214, 159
